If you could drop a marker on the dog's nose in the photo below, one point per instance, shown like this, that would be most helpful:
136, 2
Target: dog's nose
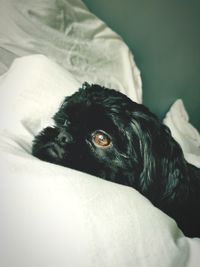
64, 137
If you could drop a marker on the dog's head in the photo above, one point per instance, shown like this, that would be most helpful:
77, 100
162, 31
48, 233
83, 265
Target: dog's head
102, 132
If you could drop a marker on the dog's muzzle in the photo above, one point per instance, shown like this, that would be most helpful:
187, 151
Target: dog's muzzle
63, 137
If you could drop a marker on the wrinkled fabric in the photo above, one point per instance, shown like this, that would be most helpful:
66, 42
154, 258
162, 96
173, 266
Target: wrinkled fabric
177, 119
68, 33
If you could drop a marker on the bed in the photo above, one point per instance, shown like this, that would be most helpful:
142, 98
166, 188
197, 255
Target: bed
51, 216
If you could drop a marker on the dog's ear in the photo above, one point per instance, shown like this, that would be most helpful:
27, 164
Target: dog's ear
142, 141
162, 160
172, 165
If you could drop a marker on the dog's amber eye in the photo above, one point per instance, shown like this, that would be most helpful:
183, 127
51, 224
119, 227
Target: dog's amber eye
101, 139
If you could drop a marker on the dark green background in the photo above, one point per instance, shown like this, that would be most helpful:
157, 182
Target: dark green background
164, 36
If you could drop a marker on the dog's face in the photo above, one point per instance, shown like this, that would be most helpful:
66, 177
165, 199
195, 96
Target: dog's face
93, 133
102, 132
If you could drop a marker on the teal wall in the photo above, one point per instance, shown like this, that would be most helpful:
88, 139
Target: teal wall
164, 36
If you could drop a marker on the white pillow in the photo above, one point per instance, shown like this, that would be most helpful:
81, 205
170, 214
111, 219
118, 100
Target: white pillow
51, 216
177, 119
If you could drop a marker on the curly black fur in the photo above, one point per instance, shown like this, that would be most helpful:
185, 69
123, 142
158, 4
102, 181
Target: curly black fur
142, 153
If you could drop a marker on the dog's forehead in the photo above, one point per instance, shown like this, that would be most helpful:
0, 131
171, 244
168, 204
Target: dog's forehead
82, 112
97, 99
91, 112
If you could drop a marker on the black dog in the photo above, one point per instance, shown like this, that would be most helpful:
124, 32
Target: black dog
102, 132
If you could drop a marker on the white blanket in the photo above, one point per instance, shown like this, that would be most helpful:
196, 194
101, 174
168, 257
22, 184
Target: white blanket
68, 33
53, 216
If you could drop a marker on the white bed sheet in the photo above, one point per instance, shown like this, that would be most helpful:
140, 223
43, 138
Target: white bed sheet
68, 33
53, 216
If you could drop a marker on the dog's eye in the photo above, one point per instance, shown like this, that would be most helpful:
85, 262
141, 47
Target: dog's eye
101, 139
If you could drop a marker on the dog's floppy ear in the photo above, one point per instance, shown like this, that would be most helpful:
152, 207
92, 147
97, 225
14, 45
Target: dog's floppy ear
161, 156
142, 138
172, 165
